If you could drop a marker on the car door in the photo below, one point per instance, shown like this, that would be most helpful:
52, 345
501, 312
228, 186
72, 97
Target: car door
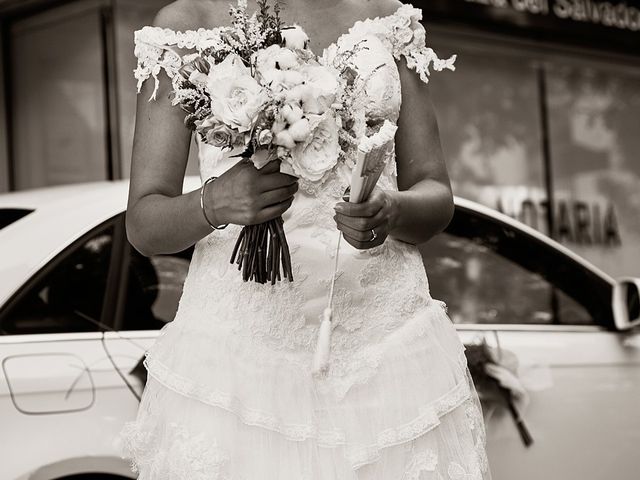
150, 291
552, 315
56, 380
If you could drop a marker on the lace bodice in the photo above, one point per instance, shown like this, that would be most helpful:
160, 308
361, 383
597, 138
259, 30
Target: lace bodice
376, 290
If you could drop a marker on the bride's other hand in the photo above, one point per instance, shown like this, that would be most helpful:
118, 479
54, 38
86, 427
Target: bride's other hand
359, 221
244, 195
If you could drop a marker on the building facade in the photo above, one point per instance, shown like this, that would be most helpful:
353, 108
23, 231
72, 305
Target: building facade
541, 119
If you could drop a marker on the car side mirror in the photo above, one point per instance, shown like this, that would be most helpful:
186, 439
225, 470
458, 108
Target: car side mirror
626, 303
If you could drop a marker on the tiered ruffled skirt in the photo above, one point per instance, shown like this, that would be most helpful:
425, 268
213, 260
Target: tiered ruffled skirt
215, 407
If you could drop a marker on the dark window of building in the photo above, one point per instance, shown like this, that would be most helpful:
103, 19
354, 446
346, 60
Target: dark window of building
59, 120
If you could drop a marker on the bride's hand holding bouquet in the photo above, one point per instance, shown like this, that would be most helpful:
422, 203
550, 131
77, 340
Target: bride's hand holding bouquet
244, 195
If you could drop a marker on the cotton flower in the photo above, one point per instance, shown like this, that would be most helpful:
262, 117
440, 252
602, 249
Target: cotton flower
299, 94
295, 37
286, 59
264, 59
300, 130
278, 125
274, 79
284, 139
291, 113
275, 57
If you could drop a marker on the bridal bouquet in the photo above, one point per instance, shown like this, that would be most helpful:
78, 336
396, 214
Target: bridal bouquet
260, 93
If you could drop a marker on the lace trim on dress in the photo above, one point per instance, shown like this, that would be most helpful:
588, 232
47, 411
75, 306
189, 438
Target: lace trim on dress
405, 36
428, 419
154, 50
401, 31
201, 454
358, 455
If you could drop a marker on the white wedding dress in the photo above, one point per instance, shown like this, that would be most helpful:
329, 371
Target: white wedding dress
230, 394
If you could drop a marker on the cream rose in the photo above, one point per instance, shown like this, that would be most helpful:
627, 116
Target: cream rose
236, 97
220, 136
323, 88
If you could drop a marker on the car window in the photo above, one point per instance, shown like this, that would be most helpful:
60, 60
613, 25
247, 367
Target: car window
154, 288
68, 293
490, 273
10, 215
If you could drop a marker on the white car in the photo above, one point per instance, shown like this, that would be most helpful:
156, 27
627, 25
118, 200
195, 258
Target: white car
79, 306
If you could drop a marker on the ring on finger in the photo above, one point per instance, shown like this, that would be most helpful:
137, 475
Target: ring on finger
374, 235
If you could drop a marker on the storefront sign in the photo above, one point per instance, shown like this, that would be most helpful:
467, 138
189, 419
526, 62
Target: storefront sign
618, 15
612, 25
576, 222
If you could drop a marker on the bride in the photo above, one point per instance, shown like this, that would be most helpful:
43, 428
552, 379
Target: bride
230, 392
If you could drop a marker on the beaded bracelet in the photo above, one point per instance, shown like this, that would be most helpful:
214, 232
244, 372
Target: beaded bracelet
204, 212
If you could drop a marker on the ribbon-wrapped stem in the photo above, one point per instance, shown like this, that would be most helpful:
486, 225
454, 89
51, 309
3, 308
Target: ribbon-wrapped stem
260, 251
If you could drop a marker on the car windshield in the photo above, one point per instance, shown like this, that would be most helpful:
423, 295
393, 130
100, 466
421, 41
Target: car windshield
10, 215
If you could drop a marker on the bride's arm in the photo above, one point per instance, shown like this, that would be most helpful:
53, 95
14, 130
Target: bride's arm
159, 218
423, 206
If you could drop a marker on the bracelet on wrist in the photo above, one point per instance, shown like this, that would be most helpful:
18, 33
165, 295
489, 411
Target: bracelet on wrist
202, 207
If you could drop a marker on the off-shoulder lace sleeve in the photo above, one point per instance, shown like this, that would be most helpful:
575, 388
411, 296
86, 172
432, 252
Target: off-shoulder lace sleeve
405, 36
154, 48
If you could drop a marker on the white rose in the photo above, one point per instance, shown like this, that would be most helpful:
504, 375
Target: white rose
295, 37
323, 83
318, 154
236, 97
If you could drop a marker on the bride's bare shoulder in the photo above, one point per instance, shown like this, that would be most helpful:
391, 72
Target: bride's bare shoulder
182, 15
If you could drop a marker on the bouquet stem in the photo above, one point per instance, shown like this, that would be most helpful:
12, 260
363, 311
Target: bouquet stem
260, 251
